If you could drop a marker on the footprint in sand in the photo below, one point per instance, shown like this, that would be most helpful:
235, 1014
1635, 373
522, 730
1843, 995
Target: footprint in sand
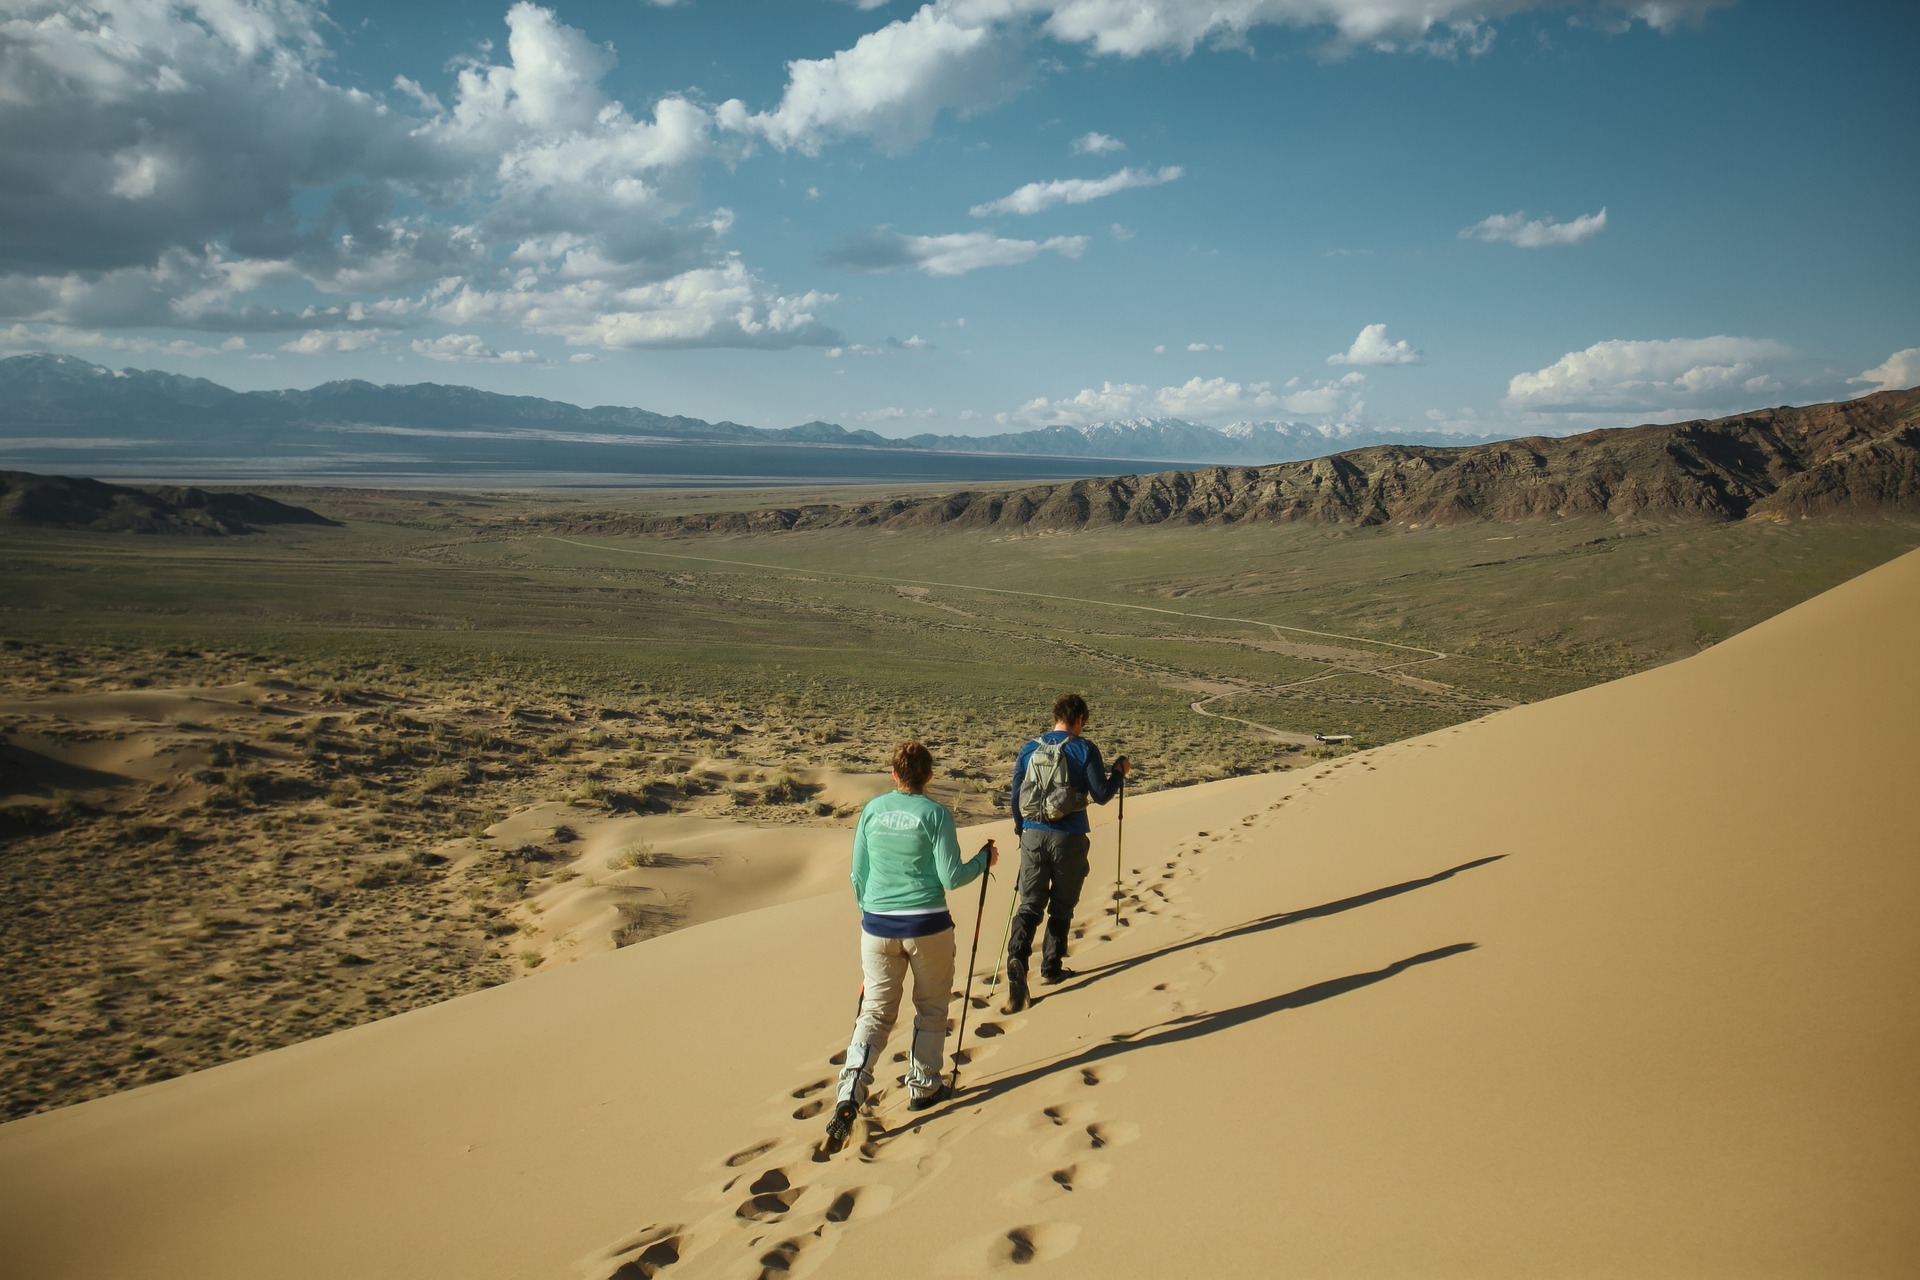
779, 1260
1081, 1175
646, 1254
773, 1195
740, 1157
1016, 1247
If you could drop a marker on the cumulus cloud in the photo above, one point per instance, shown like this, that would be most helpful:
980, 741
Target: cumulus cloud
891, 84
720, 306
178, 165
1132, 28
41, 337
467, 348
948, 255
1337, 399
1037, 197
1197, 399
1535, 233
1896, 373
318, 342
1096, 144
1673, 374
1372, 348
1205, 346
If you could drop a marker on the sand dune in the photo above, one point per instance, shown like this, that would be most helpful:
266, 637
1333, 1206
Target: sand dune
1618, 984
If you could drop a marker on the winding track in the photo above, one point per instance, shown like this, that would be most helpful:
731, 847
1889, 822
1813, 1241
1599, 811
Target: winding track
1199, 707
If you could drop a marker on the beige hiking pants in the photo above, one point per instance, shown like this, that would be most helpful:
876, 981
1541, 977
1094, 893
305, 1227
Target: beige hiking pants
884, 963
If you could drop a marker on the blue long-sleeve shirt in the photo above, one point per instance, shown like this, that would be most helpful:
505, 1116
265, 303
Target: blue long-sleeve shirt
1084, 770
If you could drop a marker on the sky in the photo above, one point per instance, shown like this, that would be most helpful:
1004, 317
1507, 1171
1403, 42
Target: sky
974, 216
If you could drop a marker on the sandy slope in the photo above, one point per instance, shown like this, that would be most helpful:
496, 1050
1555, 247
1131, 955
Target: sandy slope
1618, 984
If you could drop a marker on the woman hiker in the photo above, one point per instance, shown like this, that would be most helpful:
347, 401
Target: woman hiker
905, 860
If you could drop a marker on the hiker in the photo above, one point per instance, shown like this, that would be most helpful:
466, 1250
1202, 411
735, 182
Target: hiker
905, 859
1056, 776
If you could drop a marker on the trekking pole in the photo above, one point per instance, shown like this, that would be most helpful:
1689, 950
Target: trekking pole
967, 997
1119, 845
1006, 936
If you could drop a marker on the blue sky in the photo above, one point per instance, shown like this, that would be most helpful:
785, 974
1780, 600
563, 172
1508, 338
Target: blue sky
978, 215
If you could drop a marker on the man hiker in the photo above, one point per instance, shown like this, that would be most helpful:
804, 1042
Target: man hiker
905, 860
1054, 778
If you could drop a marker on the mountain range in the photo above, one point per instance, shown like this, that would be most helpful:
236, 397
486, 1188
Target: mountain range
47, 401
1852, 457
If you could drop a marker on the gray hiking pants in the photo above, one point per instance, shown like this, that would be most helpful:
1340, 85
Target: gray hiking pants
884, 963
1053, 866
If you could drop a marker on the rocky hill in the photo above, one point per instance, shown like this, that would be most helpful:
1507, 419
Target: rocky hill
62, 502
1856, 456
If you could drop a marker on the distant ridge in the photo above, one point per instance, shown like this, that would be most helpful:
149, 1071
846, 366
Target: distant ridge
61, 502
1855, 456
50, 397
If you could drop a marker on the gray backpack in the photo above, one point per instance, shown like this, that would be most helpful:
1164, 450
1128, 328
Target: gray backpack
1047, 793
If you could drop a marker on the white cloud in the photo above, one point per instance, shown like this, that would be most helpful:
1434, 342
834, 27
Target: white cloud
1446, 28
1372, 348
1896, 373
948, 255
720, 306
1096, 144
1538, 233
854, 349
1335, 400
917, 343
318, 342
890, 85
44, 337
467, 348
1160, 348
176, 165
1197, 399
1673, 374
892, 413
1205, 346
1037, 197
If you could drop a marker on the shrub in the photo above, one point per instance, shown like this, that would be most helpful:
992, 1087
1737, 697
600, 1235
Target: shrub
641, 853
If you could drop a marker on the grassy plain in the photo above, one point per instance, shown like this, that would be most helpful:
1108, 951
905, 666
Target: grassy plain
297, 841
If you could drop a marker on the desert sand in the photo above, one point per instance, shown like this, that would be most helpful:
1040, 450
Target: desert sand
1616, 984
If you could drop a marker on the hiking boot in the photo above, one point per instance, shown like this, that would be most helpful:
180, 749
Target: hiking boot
840, 1124
1016, 994
938, 1096
1053, 977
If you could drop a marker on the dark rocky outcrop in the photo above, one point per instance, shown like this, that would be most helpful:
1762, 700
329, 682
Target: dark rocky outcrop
64, 502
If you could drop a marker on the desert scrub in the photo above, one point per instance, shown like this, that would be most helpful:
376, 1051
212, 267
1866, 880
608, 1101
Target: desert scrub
787, 789
443, 778
640, 853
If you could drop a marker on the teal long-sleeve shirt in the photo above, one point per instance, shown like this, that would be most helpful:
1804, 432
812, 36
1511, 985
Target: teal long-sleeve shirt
906, 856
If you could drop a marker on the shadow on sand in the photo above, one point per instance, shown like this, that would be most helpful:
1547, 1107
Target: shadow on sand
1279, 919
1191, 1027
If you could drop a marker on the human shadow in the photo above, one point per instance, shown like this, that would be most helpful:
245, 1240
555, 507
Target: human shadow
1087, 977
1191, 1027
